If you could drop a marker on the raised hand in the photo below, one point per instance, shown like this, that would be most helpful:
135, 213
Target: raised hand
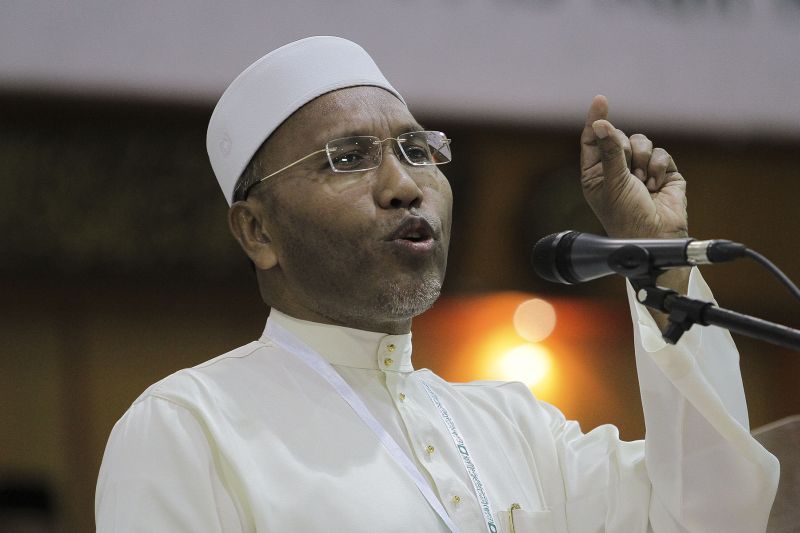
634, 189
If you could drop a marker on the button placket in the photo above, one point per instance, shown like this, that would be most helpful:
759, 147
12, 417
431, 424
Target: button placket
446, 476
396, 383
444, 465
424, 429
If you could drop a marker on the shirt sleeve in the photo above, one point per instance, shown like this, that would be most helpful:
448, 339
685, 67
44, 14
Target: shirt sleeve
159, 474
698, 469
707, 473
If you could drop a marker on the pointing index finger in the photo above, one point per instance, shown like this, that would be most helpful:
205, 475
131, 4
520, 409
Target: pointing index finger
590, 153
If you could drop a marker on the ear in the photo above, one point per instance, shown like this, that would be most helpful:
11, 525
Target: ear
246, 224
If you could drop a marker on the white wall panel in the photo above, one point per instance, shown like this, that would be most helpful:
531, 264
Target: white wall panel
707, 66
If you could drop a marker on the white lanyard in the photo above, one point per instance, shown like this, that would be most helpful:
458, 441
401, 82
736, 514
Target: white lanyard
322, 367
469, 465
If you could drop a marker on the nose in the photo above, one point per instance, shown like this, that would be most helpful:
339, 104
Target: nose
395, 187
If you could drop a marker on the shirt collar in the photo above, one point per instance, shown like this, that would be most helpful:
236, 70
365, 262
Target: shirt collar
349, 347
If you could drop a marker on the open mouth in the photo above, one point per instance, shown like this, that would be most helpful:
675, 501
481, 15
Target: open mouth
413, 229
414, 234
416, 237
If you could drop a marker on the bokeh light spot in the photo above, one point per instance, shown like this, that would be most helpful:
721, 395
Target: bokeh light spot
534, 319
528, 363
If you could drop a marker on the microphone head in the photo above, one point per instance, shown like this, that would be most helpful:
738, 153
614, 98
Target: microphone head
550, 257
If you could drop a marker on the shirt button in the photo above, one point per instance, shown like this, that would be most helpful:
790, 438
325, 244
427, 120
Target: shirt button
390, 348
430, 449
456, 499
388, 361
402, 397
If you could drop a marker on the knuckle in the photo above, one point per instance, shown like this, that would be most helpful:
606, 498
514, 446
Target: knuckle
658, 167
660, 158
611, 149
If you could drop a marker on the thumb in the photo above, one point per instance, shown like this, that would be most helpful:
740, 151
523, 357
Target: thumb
611, 143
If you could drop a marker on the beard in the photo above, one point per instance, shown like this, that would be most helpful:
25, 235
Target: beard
389, 301
400, 301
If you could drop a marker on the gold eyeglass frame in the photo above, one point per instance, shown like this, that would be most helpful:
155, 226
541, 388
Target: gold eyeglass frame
376, 140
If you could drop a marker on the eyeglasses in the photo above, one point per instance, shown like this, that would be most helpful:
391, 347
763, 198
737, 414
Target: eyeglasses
364, 152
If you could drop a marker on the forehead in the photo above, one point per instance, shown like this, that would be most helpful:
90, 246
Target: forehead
351, 111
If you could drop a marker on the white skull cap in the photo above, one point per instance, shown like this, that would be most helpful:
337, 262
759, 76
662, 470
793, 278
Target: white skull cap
273, 88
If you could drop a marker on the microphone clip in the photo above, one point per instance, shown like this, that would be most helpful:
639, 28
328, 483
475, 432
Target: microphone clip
683, 312
633, 262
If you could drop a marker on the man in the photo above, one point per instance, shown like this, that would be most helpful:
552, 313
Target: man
323, 424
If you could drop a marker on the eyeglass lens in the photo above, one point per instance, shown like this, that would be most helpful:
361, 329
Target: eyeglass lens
360, 153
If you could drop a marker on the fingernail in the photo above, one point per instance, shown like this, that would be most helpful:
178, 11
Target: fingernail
651, 184
600, 131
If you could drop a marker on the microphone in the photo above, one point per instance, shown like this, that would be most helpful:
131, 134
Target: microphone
574, 257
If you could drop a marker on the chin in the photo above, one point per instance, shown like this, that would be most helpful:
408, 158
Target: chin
407, 300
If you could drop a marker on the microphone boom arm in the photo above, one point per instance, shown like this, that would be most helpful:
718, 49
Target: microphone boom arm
684, 312
634, 263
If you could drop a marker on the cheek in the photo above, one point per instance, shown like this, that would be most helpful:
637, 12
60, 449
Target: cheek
319, 231
440, 199
308, 201
441, 185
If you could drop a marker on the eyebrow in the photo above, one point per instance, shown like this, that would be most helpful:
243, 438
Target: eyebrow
404, 128
413, 126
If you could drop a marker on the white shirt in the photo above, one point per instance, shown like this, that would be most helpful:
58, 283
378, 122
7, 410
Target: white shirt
253, 440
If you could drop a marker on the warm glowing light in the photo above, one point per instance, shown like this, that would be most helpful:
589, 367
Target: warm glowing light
534, 319
528, 363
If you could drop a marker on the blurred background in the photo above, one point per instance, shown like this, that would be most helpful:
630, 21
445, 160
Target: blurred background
118, 269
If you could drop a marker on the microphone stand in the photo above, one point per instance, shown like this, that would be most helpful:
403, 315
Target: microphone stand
634, 263
684, 312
